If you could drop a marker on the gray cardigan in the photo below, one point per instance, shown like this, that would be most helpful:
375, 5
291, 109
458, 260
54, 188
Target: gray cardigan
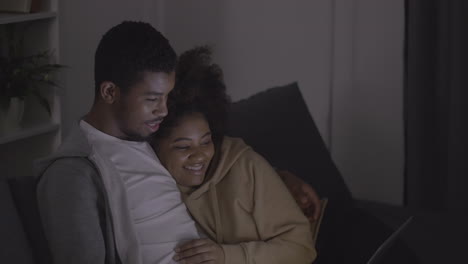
74, 206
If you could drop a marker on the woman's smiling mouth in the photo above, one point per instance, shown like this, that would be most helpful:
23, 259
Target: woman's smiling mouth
195, 169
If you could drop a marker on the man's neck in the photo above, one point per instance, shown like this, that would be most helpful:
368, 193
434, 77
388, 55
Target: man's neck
101, 119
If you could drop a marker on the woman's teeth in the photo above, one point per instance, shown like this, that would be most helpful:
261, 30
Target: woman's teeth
194, 167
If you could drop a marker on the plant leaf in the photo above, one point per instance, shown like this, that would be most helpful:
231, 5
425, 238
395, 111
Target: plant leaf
43, 101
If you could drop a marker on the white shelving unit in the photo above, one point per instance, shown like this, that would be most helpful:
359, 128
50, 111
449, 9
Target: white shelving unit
39, 134
9, 18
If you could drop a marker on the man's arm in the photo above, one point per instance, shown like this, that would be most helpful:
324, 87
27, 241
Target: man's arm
68, 202
306, 197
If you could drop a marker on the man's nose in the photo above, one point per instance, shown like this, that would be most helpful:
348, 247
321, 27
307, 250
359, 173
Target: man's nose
161, 110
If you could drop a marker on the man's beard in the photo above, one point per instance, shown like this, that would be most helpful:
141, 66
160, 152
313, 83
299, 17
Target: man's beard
134, 135
131, 136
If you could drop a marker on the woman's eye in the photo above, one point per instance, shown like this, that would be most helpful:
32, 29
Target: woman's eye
207, 142
181, 147
152, 99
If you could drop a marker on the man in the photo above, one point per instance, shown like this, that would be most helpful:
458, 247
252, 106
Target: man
104, 197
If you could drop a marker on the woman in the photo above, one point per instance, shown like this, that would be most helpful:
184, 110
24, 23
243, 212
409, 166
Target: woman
237, 198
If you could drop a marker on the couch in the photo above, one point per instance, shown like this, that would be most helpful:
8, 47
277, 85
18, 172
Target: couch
277, 124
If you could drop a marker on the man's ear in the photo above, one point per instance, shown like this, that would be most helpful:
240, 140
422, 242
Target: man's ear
109, 92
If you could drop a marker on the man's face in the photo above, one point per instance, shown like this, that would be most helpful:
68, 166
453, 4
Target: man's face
187, 151
139, 112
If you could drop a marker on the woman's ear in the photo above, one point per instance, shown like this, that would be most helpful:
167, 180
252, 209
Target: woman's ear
109, 92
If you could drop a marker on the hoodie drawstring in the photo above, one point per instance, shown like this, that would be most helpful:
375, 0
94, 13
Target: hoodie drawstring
218, 227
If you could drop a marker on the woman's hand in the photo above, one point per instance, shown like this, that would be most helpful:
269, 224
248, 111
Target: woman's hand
306, 197
199, 251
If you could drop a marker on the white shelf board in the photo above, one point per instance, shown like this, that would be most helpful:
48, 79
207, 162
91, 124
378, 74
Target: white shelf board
8, 18
28, 132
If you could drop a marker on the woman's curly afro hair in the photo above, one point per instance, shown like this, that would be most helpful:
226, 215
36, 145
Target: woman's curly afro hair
199, 88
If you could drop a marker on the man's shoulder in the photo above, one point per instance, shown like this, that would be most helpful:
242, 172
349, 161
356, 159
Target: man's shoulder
73, 149
78, 165
74, 169
75, 144
70, 176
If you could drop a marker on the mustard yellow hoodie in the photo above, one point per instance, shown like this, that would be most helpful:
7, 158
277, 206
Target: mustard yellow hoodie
244, 206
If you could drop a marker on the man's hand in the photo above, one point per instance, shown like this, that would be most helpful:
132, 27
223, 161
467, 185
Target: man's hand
305, 195
199, 251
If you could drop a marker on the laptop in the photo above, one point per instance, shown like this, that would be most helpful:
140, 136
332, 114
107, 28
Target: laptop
384, 247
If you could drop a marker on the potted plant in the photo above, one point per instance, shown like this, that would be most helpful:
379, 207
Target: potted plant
23, 76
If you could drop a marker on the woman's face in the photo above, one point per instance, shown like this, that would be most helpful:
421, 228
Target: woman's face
188, 150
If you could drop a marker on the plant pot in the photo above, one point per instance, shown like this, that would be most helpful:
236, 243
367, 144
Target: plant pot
10, 119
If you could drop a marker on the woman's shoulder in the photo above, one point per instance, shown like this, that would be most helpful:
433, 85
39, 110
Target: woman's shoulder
246, 156
230, 142
234, 148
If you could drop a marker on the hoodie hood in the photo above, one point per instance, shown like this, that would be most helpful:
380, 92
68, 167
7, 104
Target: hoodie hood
225, 157
230, 151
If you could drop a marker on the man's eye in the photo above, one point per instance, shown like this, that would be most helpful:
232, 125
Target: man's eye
152, 99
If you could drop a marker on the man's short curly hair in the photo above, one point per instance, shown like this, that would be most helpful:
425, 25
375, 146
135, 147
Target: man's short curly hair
199, 88
129, 49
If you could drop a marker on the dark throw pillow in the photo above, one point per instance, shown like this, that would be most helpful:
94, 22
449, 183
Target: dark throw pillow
277, 124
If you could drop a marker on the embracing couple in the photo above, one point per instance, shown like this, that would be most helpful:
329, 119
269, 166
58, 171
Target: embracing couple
148, 176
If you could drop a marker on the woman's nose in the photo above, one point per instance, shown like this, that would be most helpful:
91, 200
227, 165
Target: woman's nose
198, 156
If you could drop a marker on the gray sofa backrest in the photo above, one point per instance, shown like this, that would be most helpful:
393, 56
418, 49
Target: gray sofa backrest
22, 218
14, 245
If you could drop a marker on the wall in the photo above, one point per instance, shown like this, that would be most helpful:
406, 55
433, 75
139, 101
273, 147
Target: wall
367, 107
261, 44
347, 56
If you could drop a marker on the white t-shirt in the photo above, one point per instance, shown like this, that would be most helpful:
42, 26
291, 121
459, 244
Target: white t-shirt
160, 217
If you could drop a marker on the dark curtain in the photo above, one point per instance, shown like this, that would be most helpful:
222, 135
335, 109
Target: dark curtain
436, 105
